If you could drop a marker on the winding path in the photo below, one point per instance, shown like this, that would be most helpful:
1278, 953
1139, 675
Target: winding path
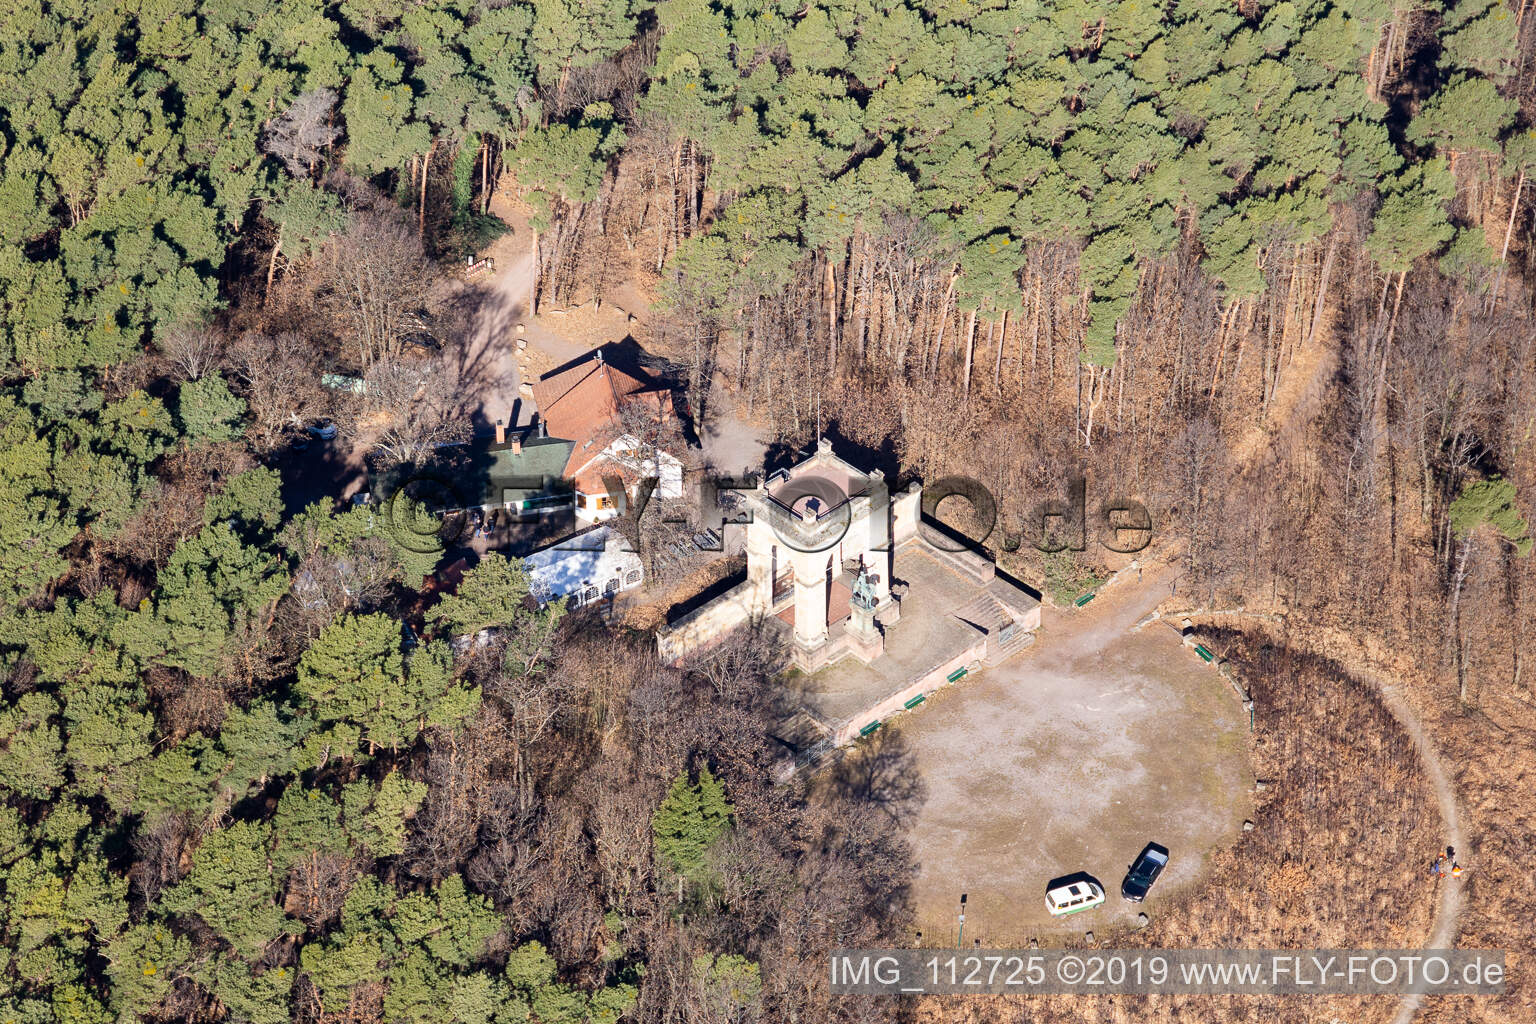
1447, 922
1297, 401
1448, 912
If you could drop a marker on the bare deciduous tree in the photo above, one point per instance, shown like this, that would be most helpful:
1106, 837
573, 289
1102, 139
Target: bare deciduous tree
413, 402
375, 282
193, 348
281, 386
647, 461
298, 134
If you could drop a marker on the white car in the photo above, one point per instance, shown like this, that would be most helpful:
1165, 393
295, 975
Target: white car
1073, 897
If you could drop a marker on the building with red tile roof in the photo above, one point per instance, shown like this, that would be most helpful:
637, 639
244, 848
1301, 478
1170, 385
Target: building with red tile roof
588, 404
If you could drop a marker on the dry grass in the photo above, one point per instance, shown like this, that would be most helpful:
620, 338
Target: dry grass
648, 609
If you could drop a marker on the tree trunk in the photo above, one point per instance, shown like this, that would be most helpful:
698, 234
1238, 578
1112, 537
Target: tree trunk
997, 367
1386, 354
421, 212
1034, 323
272, 263
1322, 287
533, 278
1454, 625
1509, 229
970, 347
862, 302
938, 344
831, 289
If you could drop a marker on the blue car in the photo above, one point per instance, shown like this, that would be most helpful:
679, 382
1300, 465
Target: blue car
1144, 872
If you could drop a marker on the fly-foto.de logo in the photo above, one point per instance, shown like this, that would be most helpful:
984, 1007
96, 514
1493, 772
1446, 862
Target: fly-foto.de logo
426, 513
1118, 523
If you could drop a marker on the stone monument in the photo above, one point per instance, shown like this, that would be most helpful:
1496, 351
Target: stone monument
865, 641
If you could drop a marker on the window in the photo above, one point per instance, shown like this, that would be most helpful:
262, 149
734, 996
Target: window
632, 577
604, 501
611, 586
589, 595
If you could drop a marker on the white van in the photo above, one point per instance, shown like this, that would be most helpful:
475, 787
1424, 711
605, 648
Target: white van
1073, 897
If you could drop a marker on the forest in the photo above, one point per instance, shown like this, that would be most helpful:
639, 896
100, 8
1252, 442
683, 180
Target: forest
1267, 266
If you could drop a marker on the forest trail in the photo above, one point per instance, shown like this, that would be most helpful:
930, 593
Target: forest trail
488, 375
489, 370
1447, 920
1296, 402
1448, 911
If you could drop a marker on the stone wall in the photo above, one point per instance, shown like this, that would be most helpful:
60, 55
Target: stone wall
706, 625
928, 682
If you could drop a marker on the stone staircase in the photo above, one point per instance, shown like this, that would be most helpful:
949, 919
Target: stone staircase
974, 567
1021, 639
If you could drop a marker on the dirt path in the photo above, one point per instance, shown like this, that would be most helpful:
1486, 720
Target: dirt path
731, 444
486, 368
1296, 402
1447, 922
1448, 912
489, 366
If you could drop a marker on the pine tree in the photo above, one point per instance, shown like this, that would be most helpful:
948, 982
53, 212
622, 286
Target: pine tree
1491, 502
232, 889
691, 817
207, 410
353, 673
30, 761
493, 593
143, 964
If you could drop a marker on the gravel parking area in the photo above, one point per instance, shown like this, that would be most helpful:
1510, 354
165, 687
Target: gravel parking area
1071, 758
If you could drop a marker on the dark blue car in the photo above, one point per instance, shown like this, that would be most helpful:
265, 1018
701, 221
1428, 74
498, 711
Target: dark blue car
1144, 872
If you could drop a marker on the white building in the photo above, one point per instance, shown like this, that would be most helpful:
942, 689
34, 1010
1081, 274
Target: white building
584, 567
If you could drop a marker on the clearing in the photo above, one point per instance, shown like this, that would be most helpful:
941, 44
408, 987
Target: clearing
1071, 757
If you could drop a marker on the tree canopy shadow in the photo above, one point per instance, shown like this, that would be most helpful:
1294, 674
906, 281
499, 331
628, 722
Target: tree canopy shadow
880, 771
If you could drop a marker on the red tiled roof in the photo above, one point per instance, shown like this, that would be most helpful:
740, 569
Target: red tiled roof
576, 404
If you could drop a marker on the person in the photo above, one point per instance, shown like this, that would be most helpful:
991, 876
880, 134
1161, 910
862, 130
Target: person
1455, 870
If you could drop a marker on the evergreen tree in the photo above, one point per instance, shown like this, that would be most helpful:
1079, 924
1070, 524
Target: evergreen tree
233, 890
691, 817
1491, 502
494, 593
207, 410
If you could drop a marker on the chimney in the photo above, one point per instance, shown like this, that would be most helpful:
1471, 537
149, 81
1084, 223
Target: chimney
501, 431
517, 445
543, 428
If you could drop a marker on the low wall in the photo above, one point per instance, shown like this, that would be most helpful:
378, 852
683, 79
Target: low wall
707, 624
929, 682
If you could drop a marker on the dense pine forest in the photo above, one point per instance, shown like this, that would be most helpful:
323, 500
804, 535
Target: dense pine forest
1267, 266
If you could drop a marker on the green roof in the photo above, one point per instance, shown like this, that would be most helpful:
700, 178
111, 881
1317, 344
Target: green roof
481, 473
534, 471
